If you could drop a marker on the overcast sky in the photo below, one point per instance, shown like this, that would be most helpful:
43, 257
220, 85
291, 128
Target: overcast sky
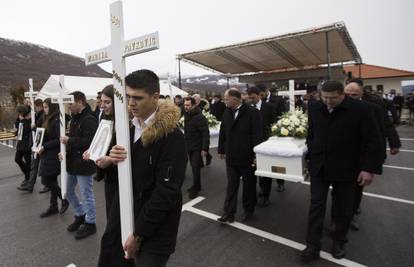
383, 31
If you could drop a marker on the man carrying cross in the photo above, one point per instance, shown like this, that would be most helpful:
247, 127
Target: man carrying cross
159, 159
82, 130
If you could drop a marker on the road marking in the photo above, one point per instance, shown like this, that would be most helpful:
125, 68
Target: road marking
407, 139
278, 239
401, 200
6, 145
404, 150
398, 167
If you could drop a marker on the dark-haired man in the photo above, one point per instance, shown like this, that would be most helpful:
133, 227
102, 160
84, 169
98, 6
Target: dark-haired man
83, 126
240, 132
267, 113
197, 139
158, 156
344, 149
217, 107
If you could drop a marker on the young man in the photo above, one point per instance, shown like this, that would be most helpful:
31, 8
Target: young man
82, 130
344, 148
159, 159
240, 132
197, 139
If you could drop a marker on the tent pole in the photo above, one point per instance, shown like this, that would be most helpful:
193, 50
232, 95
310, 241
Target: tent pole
328, 56
179, 73
228, 84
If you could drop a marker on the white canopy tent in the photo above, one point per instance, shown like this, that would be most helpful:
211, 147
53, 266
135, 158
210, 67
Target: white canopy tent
90, 86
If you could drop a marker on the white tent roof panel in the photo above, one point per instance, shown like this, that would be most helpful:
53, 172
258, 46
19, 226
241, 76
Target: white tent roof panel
296, 50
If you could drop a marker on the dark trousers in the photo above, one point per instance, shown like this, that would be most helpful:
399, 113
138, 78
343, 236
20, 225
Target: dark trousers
34, 168
249, 189
111, 188
55, 192
111, 253
359, 190
343, 196
266, 185
22, 158
195, 162
147, 259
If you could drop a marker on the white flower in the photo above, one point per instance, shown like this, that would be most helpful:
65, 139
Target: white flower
300, 129
284, 131
285, 122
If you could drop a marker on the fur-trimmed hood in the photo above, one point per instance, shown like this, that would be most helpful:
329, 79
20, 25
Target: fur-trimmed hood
165, 121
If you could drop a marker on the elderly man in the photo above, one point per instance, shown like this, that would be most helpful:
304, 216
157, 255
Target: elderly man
240, 131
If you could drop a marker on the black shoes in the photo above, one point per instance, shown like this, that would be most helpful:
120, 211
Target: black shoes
45, 189
208, 159
25, 188
309, 254
79, 220
338, 250
50, 211
280, 188
23, 183
226, 218
85, 230
65, 206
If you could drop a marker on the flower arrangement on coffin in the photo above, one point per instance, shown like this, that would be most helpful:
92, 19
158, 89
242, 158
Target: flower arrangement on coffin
211, 119
291, 124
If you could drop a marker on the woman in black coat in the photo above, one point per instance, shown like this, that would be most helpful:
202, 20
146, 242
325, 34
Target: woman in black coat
49, 162
112, 253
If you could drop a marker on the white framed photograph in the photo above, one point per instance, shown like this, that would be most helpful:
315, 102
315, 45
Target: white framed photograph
38, 139
101, 140
20, 131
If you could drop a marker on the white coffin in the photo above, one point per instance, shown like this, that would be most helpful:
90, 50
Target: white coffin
281, 158
214, 136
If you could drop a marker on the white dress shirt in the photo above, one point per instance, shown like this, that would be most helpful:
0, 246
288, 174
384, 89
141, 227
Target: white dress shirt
139, 128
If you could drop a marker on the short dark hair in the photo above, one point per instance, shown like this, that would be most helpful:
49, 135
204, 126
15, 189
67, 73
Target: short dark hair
218, 96
356, 80
38, 102
143, 79
178, 96
23, 110
189, 98
79, 96
234, 93
253, 90
261, 87
332, 86
99, 94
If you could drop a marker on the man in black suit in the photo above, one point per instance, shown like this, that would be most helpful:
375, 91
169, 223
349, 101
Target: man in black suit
344, 148
354, 89
279, 108
217, 107
240, 131
267, 112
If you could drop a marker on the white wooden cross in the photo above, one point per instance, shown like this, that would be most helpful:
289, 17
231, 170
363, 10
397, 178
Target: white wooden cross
61, 100
291, 93
31, 95
116, 52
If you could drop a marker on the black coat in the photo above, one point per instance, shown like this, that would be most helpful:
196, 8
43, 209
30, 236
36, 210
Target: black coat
279, 103
159, 159
26, 143
49, 161
239, 136
82, 130
217, 109
196, 132
267, 111
343, 143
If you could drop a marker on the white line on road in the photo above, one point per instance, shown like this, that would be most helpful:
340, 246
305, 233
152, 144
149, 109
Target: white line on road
407, 139
401, 200
398, 167
404, 150
278, 239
